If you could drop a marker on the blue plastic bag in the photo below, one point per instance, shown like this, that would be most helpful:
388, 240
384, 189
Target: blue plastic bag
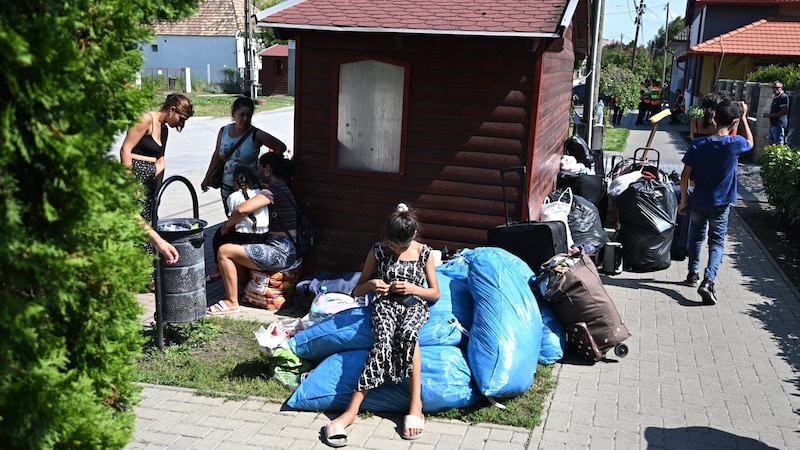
446, 384
554, 338
506, 334
352, 330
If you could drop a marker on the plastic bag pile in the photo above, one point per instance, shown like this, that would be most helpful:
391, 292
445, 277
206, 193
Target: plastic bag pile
483, 338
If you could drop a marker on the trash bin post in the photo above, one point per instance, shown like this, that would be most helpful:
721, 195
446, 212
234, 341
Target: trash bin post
188, 240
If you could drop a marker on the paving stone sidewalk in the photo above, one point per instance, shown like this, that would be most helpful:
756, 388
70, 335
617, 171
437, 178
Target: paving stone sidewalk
697, 377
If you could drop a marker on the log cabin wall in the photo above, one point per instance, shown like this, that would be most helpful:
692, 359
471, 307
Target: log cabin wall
551, 120
469, 114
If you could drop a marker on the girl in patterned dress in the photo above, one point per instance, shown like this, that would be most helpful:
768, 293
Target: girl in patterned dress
397, 269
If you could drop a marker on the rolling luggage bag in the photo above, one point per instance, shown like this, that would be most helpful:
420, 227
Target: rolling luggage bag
680, 240
589, 315
533, 242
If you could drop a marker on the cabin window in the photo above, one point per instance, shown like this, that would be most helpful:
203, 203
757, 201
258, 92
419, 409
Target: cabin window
154, 48
371, 114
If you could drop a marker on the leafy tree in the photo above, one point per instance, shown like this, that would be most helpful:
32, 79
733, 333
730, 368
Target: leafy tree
266, 35
621, 82
656, 48
71, 249
788, 74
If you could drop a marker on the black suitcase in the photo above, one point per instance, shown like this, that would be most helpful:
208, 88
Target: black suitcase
533, 242
683, 223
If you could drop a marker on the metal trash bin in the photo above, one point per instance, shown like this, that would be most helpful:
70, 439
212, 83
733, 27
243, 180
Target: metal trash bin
183, 287
180, 287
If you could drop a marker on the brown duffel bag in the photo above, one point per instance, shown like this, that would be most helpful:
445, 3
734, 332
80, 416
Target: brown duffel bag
577, 295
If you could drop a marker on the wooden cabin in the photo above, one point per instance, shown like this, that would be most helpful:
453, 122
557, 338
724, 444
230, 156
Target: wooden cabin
398, 101
274, 73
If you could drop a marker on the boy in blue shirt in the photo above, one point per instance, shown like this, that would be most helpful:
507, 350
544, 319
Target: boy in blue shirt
711, 163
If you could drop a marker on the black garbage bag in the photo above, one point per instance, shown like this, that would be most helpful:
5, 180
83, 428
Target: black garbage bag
649, 205
576, 146
647, 212
584, 221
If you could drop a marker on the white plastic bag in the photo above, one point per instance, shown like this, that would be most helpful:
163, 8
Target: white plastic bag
620, 183
277, 334
559, 211
327, 304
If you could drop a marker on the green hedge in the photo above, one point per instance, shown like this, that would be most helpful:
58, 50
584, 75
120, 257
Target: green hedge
71, 249
780, 171
788, 75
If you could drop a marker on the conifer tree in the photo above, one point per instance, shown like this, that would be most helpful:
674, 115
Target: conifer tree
71, 251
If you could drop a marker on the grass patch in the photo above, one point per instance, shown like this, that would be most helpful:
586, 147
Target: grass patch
614, 139
219, 105
219, 358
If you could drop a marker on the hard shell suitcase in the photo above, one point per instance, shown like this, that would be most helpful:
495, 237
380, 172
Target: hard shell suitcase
533, 242
578, 296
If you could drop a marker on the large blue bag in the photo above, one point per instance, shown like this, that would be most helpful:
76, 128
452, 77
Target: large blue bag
446, 384
351, 329
506, 333
455, 298
554, 338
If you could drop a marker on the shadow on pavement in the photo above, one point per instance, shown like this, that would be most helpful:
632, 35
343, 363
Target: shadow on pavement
698, 437
778, 308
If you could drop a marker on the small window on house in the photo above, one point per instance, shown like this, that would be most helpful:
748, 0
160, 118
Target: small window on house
370, 116
278, 67
154, 48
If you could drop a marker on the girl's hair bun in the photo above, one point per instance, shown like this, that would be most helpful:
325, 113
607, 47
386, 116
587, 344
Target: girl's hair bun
401, 207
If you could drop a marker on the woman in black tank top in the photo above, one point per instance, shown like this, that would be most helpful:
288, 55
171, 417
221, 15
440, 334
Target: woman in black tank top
142, 150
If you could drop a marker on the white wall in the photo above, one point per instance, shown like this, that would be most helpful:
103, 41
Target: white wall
197, 53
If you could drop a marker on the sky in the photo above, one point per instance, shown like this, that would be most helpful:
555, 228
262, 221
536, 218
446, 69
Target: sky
620, 16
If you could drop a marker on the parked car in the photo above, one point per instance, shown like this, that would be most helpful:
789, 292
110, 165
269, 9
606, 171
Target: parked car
579, 92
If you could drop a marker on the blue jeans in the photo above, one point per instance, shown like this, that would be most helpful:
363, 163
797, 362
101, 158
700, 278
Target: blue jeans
776, 134
717, 219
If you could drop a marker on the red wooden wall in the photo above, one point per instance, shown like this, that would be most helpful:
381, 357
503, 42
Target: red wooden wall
476, 105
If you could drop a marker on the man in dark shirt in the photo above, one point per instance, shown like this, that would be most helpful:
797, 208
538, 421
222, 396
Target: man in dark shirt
778, 114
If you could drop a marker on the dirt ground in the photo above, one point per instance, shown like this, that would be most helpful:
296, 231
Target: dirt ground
780, 239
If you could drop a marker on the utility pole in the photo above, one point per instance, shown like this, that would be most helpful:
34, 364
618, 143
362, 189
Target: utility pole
639, 12
666, 39
248, 63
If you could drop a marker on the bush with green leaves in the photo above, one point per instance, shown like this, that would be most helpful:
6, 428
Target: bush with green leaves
780, 172
788, 75
71, 252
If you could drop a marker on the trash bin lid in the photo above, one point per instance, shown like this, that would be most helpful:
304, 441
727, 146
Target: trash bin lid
172, 229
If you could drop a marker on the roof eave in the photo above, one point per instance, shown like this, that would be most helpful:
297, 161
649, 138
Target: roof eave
518, 34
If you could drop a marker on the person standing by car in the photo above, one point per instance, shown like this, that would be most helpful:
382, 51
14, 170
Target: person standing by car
778, 114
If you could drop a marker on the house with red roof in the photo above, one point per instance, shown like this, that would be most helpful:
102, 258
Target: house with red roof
729, 39
274, 73
211, 43
424, 103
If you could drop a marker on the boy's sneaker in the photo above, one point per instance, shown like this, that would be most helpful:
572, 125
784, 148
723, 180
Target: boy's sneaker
692, 279
706, 291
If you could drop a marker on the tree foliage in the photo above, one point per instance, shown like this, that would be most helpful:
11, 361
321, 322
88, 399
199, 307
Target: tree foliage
621, 82
788, 74
266, 35
71, 249
622, 75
